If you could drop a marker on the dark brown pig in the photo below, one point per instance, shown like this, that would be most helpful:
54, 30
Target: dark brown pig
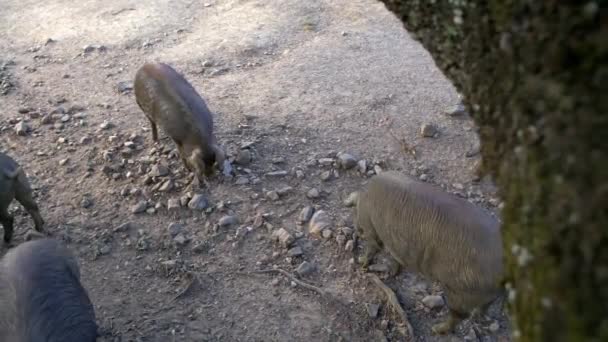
432, 232
15, 185
41, 298
169, 101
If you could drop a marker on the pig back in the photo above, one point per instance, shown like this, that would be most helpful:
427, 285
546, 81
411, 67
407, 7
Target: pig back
435, 233
173, 103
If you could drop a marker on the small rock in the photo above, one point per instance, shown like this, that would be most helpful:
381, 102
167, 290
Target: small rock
295, 252
433, 301
167, 186
428, 130
86, 202
139, 208
378, 268
122, 227
347, 231
327, 234
306, 214
105, 249
151, 211
351, 200
180, 239
106, 125
46, 119
284, 191
173, 204
281, 173
159, 171
84, 140
340, 240
198, 202
124, 86
62, 162
299, 174
241, 180
228, 220
326, 175
494, 327
275, 281
175, 228
183, 201
372, 309
471, 336
424, 177
319, 222
377, 169
346, 161
362, 166
65, 118
457, 110
283, 237
272, 195
313, 193
349, 246
326, 161
22, 128
243, 158
305, 268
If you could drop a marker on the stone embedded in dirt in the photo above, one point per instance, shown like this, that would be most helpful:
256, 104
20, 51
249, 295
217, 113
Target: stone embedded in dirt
313, 193
457, 110
347, 231
305, 268
378, 268
242, 180
471, 336
22, 128
65, 118
122, 227
183, 201
105, 249
347, 161
295, 252
282, 236
424, 177
299, 174
306, 214
319, 222
326, 175
474, 150
243, 158
86, 202
280, 173
362, 166
272, 195
372, 309
181, 240
351, 200
84, 140
377, 169
275, 281
62, 162
327, 234
47, 119
124, 87
340, 240
433, 301
173, 204
349, 246
139, 208
284, 190
198, 202
428, 130
151, 211
326, 161
159, 170
106, 125
175, 228
227, 221
167, 186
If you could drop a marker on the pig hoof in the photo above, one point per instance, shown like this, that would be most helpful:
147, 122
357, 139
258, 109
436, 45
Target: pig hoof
442, 328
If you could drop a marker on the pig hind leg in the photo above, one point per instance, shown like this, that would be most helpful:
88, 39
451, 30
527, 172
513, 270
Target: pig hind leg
24, 196
7, 222
372, 242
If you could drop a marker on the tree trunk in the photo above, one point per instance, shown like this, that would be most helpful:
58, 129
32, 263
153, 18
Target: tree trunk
534, 75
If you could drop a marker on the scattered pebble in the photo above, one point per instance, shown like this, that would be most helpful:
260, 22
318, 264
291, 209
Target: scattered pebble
320, 221
281, 235
159, 170
362, 166
305, 268
340, 240
458, 110
347, 161
433, 301
124, 87
494, 327
106, 125
313, 193
326, 161
272, 195
295, 252
175, 228
372, 309
227, 221
428, 130
326, 175
167, 186
275, 281
86, 202
350, 245
327, 233
243, 158
306, 214
180, 239
139, 208
122, 227
471, 336
22, 128
377, 169
281, 173
351, 200
173, 204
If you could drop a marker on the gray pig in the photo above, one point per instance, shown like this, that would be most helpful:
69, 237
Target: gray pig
432, 232
168, 100
14, 185
41, 298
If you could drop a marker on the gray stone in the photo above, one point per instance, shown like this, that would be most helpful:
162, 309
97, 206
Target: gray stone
494, 327
280, 173
86, 202
139, 208
106, 125
326, 175
295, 252
327, 233
458, 110
175, 228
305, 268
124, 87
349, 246
319, 222
159, 170
306, 214
313, 193
241, 180
372, 309
282, 236
173, 204
167, 186
433, 301
198, 202
284, 191
347, 161
181, 240
22, 128
227, 221
428, 130
340, 240
272, 195
351, 199
243, 158
326, 161
122, 227
362, 166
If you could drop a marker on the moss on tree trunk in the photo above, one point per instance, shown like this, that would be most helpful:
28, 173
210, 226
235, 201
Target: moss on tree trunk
534, 75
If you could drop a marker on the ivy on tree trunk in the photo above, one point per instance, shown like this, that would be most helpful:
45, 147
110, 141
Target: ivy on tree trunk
534, 76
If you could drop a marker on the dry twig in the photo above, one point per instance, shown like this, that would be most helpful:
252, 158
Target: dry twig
394, 302
405, 147
292, 277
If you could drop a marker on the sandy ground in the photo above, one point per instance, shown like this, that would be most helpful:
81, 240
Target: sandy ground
294, 82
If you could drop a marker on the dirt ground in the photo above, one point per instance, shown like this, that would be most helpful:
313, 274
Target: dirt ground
289, 81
